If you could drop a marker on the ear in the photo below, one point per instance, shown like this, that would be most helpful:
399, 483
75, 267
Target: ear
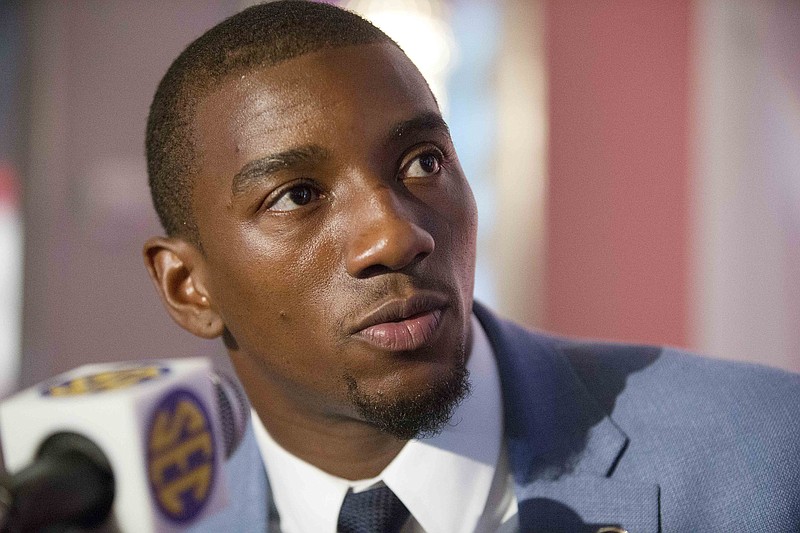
176, 268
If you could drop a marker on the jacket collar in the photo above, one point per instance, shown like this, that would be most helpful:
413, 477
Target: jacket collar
562, 446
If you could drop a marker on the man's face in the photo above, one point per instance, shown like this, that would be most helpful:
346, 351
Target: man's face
338, 230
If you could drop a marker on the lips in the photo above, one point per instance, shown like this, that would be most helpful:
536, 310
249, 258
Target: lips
403, 324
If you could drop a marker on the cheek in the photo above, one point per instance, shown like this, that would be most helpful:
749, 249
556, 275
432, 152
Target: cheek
269, 290
468, 216
278, 317
462, 219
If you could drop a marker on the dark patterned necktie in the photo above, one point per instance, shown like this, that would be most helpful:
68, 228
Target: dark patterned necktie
376, 510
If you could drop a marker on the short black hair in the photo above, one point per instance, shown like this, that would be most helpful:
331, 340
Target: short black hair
262, 35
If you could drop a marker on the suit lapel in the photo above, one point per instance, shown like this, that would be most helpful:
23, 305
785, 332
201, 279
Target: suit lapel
562, 446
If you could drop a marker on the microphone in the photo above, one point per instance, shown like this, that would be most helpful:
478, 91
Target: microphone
71, 474
146, 445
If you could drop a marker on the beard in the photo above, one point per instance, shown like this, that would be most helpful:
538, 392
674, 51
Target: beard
421, 415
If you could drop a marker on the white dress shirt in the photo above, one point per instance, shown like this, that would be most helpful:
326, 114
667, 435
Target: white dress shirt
455, 482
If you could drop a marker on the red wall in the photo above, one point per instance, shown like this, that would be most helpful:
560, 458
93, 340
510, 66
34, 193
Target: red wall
617, 221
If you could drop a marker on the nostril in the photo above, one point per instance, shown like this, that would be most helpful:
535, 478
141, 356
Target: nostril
420, 256
378, 269
373, 270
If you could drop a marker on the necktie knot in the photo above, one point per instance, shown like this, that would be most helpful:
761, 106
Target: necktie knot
376, 510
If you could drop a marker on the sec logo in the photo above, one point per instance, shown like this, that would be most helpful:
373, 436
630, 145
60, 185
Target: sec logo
181, 456
106, 381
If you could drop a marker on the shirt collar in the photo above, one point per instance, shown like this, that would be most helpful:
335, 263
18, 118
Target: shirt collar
460, 462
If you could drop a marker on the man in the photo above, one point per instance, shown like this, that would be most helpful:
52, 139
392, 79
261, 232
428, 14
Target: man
319, 222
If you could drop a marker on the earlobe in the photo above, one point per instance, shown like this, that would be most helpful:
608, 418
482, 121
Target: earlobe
176, 269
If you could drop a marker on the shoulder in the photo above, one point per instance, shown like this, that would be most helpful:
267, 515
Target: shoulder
713, 434
665, 379
665, 396
723, 433
679, 380
663, 383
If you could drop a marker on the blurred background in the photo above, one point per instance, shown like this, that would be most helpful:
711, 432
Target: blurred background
636, 165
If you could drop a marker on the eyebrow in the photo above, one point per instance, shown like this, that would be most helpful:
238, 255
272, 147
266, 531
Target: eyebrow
423, 122
258, 169
255, 171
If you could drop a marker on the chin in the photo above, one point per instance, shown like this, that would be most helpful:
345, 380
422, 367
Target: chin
413, 405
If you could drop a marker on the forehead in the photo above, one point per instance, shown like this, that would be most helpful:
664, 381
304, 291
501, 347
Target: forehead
323, 97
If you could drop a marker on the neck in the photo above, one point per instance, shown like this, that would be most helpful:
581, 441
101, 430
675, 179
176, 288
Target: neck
347, 449
338, 444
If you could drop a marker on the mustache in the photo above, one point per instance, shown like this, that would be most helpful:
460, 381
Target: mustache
399, 285
369, 293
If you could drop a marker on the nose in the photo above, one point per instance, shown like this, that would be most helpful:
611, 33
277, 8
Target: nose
385, 236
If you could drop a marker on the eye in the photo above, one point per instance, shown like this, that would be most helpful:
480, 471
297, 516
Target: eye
293, 198
424, 165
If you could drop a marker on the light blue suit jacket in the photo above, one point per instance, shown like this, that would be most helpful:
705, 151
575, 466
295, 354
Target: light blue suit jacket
648, 439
